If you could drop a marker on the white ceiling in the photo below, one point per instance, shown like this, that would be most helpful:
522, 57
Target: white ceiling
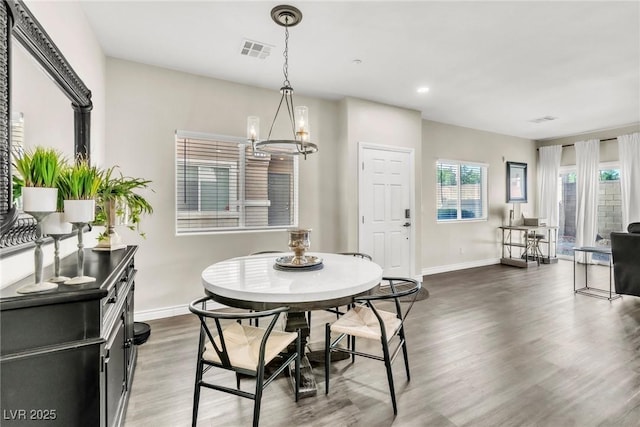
489, 65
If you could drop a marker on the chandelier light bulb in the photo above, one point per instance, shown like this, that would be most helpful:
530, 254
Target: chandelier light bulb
302, 114
253, 128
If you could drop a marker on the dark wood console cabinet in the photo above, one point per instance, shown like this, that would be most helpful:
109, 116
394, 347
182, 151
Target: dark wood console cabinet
67, 355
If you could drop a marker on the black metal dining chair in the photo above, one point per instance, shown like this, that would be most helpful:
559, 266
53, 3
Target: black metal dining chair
227, 344
368, 321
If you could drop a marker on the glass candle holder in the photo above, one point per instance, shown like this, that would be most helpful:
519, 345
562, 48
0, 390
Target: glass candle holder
299, 242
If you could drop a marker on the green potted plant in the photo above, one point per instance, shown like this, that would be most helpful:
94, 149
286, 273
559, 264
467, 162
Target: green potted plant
39, 170
79, 186
119, 204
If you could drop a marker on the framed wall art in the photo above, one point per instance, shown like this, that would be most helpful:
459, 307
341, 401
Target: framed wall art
516, 182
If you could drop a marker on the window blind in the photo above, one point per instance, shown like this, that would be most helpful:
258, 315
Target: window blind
222, 185
461, 191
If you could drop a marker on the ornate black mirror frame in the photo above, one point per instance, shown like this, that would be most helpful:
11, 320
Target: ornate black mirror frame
17, 21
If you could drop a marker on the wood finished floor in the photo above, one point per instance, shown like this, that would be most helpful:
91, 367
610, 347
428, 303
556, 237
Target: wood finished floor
492, 346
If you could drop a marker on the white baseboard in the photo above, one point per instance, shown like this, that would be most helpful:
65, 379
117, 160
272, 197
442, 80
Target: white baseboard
161, 313
460, 266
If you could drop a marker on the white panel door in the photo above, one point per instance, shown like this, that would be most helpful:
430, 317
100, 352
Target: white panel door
385, 209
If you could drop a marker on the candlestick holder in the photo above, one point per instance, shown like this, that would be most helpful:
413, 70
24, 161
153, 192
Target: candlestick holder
57, 278
299, 242
39, 285
79, 213
56, 227
80, 278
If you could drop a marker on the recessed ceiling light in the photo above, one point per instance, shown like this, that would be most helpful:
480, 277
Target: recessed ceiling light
423, 89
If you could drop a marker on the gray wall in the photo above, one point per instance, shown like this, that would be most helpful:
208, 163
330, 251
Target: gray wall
447, 246
143, 121
145, 107
380, 124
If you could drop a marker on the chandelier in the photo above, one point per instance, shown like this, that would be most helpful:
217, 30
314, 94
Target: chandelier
286, 16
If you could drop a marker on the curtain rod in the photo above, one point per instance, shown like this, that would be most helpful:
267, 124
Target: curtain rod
602, 140
571, 145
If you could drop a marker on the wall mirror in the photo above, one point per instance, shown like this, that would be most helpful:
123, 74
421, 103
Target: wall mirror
34, 66
516, 182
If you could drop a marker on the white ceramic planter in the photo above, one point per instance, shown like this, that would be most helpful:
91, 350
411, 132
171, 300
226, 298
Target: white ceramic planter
39, 199
79, 210
56, 224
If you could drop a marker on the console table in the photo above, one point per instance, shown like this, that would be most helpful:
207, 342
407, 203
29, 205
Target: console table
67, 355
586, 289
516, 239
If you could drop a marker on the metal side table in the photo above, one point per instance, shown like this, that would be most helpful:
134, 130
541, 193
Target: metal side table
588, 290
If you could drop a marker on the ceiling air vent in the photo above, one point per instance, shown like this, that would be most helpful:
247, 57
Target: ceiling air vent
255, 49
543, 119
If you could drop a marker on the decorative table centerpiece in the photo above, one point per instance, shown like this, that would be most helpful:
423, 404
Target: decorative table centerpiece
299, 242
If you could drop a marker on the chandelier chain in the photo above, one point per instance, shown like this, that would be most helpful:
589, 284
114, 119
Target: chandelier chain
285, 67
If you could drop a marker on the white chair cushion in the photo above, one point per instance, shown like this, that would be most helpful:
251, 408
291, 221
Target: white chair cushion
361, 322
243, 345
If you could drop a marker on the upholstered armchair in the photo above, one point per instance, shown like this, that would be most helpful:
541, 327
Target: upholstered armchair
625, 249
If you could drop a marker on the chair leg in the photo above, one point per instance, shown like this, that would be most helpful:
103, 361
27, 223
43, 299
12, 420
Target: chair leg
258, 397
387, 363
196, 393
299, 356
353, 348
196, 388
238, 381
309, 319
327, 356
404, 353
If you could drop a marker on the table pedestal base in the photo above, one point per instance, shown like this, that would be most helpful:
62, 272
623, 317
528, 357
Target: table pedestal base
308, 386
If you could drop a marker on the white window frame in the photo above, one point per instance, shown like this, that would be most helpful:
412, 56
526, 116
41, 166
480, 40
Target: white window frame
485, 192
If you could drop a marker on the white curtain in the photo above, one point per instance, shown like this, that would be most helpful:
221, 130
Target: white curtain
629, 155
587, 181
548, 173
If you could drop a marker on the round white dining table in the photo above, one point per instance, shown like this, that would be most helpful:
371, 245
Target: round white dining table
253, 282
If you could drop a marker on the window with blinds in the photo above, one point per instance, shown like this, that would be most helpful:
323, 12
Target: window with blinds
222, 185
461, 191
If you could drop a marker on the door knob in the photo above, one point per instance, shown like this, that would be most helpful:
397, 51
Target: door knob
406, 224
